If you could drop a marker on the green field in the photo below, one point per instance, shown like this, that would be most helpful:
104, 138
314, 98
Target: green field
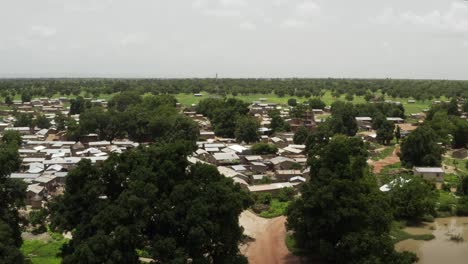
277, 208
40, 252
189, 99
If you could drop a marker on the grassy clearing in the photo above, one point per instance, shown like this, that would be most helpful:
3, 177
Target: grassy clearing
390, 168
384, 153
398, 234
458, 164
189, 99
40, 252
277, 208
447, 202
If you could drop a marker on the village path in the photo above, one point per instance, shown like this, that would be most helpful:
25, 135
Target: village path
392, 159
269, 236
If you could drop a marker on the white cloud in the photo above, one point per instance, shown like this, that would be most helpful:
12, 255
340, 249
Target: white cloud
247, 25
134, 39
43, 31
234, 3
307, 8
293, 23
454, 19
222, 12
198, 3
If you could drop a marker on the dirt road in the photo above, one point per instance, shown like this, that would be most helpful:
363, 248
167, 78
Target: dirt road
392, 159
268, 246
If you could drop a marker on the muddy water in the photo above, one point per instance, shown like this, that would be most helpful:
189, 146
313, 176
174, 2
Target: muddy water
441, 249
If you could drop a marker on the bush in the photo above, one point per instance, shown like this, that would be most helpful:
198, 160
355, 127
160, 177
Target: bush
462, 206
264, 149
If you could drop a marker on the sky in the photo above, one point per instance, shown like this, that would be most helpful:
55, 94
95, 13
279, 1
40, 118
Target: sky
425, 39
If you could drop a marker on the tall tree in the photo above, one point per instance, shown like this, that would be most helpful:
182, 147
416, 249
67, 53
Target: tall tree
247, 129
341, 215
420, 148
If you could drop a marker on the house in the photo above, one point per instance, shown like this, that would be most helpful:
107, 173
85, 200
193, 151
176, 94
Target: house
271, 188
430, 173
460, 153
282, 163
364, 122
258, 167
286, 175
397, 120
34, 195
230, 173
226, 158
207, 134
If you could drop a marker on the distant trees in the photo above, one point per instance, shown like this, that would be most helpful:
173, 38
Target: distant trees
223, 114
420, 148
292, 102
341, 215
316, 103
247, 129
78, 105
150, 199
26, 96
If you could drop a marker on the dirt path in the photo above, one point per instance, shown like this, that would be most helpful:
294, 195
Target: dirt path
269, 236
392, 159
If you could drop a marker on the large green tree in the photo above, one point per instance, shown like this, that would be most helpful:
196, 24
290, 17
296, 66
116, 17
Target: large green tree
420, 148
150, 199
341, 215
247, 129
12, 196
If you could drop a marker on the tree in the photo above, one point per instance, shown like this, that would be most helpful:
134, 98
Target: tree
150, 198
78, 105
301, 135
12, 196
398, 134
11, 137
42, 122
349, 97
341, 215
60, 121
8, 100
247, 129
264, 149
385, 132
23, 120
420, 148
26, 96
123, 100
412, 198
343, 119
316, 103
292, 102
277, 122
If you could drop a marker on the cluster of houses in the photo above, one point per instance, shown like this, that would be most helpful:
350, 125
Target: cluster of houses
47, 157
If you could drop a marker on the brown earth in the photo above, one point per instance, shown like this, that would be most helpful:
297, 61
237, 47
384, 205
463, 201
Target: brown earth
392, 159
268, 246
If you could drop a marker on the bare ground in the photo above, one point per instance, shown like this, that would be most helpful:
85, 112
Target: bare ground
268, 245
392, 159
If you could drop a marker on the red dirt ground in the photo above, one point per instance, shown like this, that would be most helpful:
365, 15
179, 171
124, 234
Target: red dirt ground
392, 159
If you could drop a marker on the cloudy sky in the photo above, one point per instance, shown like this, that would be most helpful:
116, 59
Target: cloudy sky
234, 38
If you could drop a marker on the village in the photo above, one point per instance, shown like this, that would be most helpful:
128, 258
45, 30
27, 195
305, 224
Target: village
47, 156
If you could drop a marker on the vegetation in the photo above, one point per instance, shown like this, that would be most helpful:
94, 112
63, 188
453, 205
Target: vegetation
352, 227
398, 234
420, 148
264, 149
111, 208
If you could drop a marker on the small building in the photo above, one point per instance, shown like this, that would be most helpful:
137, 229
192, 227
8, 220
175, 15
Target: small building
282, 163
286, 175
271, 188
258, 167
460, 153
430, 173
226, 158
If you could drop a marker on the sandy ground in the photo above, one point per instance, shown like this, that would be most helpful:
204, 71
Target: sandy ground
392, 159
268, 245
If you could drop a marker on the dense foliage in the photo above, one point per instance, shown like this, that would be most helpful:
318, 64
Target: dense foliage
150, 199
420, 148
341, 215
12, 196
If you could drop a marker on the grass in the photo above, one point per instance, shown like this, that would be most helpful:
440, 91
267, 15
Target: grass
277, 208
189, 99
388, 169
459, 164
384, 153
398, 234
447, 202
40, 252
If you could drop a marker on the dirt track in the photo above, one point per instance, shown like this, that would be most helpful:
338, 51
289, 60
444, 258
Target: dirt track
392, 159
269, 245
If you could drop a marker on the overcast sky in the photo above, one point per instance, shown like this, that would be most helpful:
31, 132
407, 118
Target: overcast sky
234, 38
